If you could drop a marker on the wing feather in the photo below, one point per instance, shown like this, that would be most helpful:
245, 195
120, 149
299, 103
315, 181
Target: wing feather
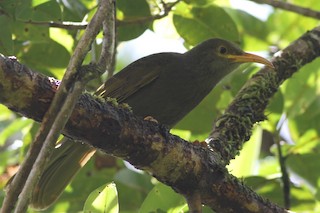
130, 80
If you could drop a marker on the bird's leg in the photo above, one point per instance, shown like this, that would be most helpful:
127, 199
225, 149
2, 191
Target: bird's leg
194, 202
150, 118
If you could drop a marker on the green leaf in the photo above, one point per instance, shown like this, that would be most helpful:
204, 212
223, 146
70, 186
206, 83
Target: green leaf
245, 163
5, 114
103, 199
76, 193
29, 32
276, 104
75, 10
46, 55
287, 27
6, 43
38, 2
199, 120
249, 24
47, 11
163, 199
14, 127
306, 166
198, 2
8, 7
134, 180
306, 143
301, 90
132, 11
301, 197
196, 24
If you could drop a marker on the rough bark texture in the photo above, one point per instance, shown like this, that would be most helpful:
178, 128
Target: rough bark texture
187, 167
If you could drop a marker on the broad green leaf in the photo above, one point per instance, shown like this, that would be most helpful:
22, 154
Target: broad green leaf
286, 26
132, 11
76, 193
46, 55
38, 2
163, 199
5, 114
29, 32
196, 24
302, 125
126, 194
268, 166
8, 7
47, 11
306, 166
198, 2
134, 180
314, 4
301, 197
302, 89
199, 120
249, 24
103, 199
75, 10
15, 127
306, 143
245, 164
6, 43
276, 104
185, 134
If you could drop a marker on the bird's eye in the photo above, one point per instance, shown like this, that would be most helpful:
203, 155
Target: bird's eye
222, 50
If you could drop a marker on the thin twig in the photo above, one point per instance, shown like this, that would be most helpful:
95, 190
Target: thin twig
291, 7
64, 25
54, 120
108, 44
82, 25
285, 176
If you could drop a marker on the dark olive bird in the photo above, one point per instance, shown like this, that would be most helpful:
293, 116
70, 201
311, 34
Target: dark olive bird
166, 86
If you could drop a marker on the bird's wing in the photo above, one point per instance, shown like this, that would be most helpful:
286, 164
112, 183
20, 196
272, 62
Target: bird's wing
129, 80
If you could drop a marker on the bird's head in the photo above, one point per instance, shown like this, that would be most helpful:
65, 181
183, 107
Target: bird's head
219, 57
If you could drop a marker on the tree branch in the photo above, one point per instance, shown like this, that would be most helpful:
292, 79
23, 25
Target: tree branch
68, 25
290, 7
284, 174
188, 168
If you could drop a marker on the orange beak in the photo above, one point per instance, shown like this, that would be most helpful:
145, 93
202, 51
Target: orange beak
248, 57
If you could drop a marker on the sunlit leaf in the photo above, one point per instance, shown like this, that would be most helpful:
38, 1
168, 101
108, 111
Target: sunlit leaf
103, 199
15, 127
249, 24
245, 163
163, 199
196, 24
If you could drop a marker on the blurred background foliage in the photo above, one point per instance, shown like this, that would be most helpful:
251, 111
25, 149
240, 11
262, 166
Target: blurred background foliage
145, 27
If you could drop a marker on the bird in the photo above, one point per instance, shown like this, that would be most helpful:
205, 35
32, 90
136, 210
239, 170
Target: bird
165, 86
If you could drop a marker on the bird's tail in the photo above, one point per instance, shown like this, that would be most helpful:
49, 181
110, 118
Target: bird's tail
64, 164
